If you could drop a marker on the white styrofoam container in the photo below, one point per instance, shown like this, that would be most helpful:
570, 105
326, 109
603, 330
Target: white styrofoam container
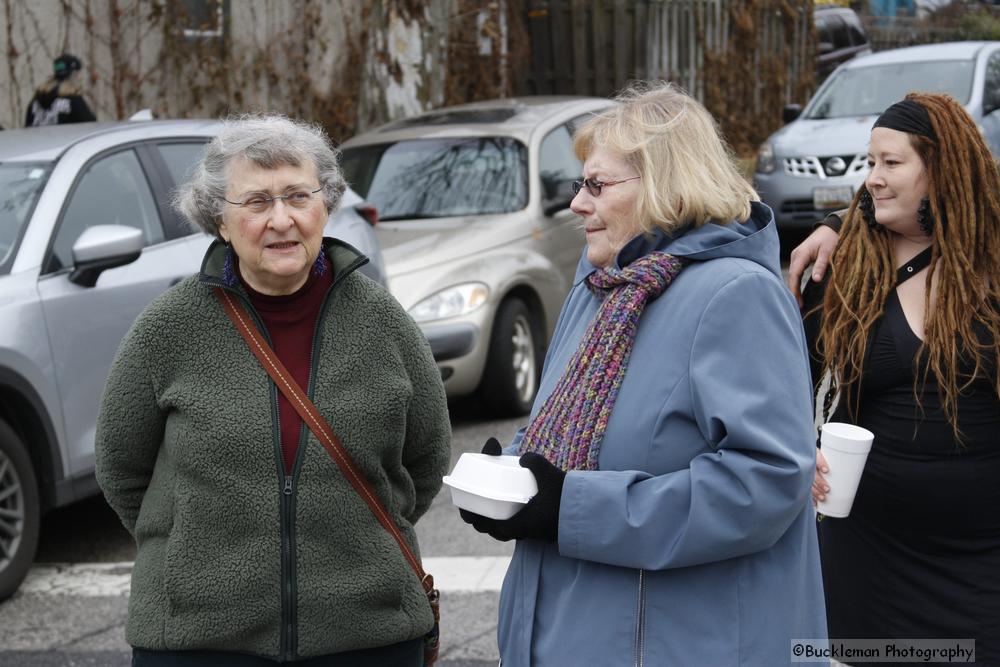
492, 486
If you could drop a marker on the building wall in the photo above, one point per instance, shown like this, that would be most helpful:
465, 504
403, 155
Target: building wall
320, 61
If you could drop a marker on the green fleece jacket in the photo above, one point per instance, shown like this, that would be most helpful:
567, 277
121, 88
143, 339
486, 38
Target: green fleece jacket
234, 555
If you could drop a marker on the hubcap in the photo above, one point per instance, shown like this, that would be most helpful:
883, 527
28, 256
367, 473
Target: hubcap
11, 511
523, 359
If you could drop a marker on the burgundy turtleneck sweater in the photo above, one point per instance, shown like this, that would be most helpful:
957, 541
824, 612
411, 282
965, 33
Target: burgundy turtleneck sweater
290, 321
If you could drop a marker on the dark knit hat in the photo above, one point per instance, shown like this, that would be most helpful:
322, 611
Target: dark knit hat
65, 65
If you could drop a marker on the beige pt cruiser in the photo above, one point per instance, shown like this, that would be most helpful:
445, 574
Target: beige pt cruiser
479, 243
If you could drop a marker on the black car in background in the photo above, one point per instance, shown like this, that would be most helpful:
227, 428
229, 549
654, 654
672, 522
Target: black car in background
840, 36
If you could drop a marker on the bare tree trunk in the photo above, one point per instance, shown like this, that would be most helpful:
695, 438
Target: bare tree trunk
404, 62
117, 64
11, 58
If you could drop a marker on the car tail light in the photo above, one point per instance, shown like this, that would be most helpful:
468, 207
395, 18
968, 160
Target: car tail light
368, 212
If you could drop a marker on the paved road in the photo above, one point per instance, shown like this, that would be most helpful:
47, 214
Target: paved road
72, 608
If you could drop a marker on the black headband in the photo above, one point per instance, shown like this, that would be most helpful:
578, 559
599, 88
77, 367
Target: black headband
907, 116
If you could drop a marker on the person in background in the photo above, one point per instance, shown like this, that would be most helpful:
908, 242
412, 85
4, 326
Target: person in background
906, 329
672, 438
59, 100
253, 547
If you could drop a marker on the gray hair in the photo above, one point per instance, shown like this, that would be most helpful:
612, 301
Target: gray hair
269, 141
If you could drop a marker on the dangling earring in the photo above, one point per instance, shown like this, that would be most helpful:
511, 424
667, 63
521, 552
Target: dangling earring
867, 207
924, 216
228, 267
319, 266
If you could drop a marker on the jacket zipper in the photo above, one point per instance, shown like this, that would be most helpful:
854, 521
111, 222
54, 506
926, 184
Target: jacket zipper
286, 515
289, 618
640, 621
289, 562
288, 639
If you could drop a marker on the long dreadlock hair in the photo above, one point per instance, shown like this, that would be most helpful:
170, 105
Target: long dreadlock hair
964, 191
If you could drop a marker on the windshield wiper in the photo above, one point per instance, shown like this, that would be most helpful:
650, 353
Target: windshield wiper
410, 216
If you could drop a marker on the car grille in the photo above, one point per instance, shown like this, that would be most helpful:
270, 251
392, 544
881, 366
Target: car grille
821, 167
797, 206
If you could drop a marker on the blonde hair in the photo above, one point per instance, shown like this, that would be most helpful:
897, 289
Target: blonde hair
688, 171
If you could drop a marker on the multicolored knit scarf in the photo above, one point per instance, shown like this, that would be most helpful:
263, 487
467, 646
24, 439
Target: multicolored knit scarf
570, 426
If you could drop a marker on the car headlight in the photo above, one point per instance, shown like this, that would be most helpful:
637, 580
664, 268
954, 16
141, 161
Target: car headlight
451, 302
765, 158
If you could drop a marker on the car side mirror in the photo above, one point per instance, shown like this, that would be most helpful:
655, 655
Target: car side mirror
991, 104
556, 196
824, 48
103, 247
551, 208
790, 112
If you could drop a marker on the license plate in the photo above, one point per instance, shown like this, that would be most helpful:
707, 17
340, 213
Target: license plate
832, 198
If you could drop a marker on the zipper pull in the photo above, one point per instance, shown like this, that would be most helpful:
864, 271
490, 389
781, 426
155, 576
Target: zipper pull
288, 486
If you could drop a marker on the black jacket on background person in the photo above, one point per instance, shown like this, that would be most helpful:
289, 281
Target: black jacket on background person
55, 103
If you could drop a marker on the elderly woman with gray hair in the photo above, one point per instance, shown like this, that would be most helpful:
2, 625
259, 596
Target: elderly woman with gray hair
253, 545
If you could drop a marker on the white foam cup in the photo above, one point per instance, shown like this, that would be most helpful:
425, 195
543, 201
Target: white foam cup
845, 447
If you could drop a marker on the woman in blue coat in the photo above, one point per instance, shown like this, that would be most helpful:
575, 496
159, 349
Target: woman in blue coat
672, 438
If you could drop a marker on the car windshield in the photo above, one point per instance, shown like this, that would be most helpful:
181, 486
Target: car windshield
867, 91
436, 178
20, 185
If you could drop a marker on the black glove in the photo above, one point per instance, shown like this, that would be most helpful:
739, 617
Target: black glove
539, 519
492, 447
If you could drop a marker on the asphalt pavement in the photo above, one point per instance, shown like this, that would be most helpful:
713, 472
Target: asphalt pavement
71, 610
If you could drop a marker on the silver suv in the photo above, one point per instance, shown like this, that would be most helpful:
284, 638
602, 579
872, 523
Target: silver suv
87, 239
814, 164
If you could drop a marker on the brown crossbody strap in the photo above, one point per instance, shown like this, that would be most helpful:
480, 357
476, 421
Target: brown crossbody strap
317, 424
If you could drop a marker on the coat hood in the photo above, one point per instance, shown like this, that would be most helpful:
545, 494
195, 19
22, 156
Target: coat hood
755, 240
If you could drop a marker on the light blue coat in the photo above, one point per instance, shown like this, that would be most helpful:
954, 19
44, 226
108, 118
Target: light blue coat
694, 543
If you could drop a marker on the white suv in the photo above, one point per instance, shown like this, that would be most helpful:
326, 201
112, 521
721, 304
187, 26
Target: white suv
814, 164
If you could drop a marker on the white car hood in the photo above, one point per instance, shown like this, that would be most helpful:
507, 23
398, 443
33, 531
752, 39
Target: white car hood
830, 136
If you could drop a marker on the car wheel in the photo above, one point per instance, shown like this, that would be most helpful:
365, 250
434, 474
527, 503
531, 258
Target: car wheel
19, 511
510, 379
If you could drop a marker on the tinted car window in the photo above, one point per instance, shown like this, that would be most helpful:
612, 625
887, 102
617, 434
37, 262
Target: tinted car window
870, 90
20, 185
837, 31
433, 178
575, 124
558, 165
855, 30
112, 191
180, 158
991, 86
832, 29
825, 26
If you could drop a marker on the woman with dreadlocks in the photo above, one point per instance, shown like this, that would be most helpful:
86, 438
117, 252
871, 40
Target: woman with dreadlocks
907, 330
671, 439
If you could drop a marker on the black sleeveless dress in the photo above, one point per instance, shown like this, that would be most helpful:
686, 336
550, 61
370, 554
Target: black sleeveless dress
919, 555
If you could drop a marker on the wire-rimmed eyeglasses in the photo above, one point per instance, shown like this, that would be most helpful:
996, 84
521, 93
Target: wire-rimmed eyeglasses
261, 202
594, 186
